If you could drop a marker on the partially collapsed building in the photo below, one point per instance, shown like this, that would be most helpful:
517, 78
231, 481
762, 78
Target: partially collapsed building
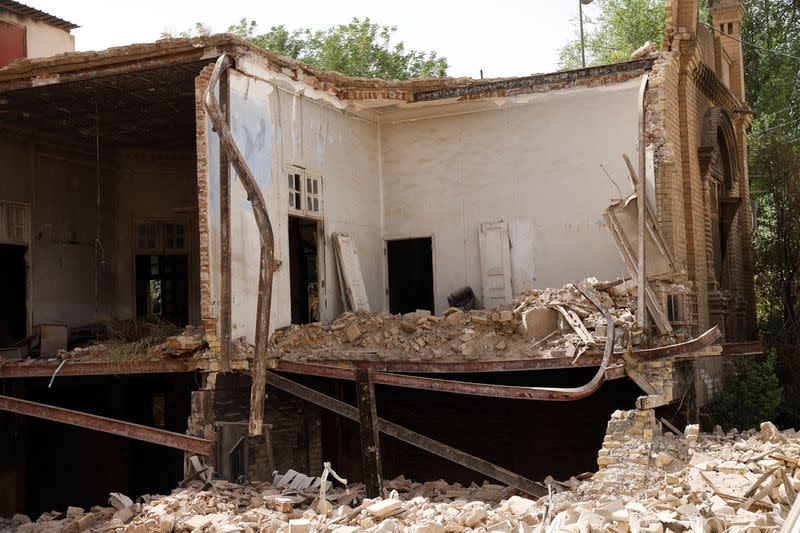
213, 184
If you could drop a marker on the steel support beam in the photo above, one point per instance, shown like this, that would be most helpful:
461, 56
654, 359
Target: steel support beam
107, 425
101, 368
406, 435
370, 441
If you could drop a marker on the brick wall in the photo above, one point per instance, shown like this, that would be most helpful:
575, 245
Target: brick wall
682, 89
625, 456
206, 307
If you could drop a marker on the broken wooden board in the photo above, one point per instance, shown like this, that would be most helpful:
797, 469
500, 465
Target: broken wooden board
350, 273
577, 324
628, 255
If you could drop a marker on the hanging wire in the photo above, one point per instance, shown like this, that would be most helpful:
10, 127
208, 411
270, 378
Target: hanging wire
99, 252
757, 47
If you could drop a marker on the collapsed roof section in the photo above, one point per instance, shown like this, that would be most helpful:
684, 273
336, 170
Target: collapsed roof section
78, 66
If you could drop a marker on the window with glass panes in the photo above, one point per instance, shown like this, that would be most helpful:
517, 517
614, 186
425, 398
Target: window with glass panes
305, 193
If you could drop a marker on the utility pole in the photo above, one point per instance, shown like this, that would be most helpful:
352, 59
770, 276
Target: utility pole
580, 17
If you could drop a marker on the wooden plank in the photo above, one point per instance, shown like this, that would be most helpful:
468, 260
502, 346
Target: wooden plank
267, 252
660, 319
495, 250
225, 235
641, 193
370, 442
577, 325
406, 435
350, 270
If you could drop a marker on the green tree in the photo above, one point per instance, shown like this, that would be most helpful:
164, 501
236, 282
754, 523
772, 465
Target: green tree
199, 30
771, 32
618, 29
360, 48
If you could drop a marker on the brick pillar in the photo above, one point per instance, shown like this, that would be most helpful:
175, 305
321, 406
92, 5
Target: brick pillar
625, 456
727, 16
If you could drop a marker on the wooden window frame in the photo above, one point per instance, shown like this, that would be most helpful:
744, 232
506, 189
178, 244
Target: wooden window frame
306, 196
5, 235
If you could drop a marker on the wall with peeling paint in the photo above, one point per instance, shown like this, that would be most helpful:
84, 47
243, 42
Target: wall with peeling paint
277, 128
533, 161
438, 169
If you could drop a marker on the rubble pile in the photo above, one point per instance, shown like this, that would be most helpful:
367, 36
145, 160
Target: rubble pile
186, 342
705, 483
551, 322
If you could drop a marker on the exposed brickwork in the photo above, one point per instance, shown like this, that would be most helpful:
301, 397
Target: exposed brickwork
206, 308
625, 456
683, 89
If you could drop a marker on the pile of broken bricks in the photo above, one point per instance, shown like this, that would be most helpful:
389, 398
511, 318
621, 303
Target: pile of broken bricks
740, 482
539, 323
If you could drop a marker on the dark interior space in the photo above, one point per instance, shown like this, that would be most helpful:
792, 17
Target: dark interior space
162, 287
54, 465
410, 263
531, 438
303, 265
13, 311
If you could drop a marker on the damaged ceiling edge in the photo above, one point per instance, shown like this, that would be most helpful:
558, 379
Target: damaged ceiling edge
76, 66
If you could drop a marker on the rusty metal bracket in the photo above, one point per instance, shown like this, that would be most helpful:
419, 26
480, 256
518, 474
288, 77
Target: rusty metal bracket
107, 425
265, 270
406, 435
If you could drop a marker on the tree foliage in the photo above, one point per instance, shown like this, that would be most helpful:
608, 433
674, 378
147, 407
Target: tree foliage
618, 29
751, 395
772, 83
360, 48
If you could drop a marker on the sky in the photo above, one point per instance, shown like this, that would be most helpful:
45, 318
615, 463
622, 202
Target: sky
504, 38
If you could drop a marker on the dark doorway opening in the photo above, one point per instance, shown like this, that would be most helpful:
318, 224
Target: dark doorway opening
410, 274
14, 311
304, 270
162, 287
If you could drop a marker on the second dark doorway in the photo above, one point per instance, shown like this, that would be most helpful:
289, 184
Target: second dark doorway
13, 312
410, 264
303, 270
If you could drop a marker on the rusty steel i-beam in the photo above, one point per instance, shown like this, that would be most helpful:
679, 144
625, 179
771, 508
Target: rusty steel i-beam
107, 425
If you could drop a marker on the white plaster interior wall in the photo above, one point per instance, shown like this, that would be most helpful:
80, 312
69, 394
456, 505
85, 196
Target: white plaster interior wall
57, 187
276, 129
533, 161
61, 190
150, 185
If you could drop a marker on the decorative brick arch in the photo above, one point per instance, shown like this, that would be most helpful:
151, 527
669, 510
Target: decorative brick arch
718, 150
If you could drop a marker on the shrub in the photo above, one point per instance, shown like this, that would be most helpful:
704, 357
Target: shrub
751, 395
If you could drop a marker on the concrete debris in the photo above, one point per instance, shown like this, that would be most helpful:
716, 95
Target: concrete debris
539, 323
738, 482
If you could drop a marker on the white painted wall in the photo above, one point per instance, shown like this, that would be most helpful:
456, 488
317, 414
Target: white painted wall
276, 128
148, 185
61, 191
533, 161
41, 40
437, 169
61, 256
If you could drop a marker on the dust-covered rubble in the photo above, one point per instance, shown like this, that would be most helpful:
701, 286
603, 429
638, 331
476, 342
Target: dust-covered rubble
705, 483
540, 323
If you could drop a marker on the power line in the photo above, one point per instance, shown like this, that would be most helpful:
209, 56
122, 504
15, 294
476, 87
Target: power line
712, 28
782, 124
